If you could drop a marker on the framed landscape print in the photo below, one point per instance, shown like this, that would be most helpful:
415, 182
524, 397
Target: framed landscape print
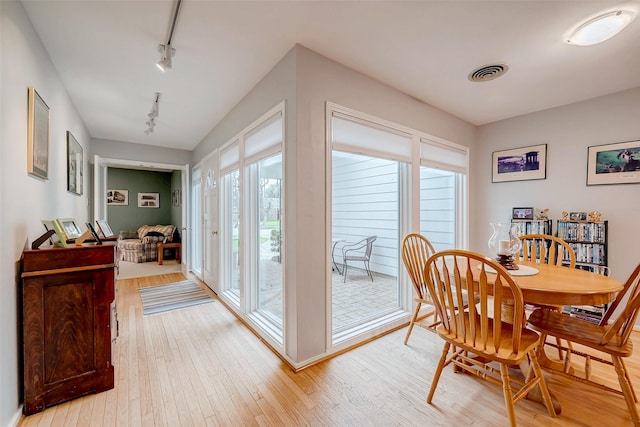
74, 165
148, 200
37, 135
520, 164
617, 163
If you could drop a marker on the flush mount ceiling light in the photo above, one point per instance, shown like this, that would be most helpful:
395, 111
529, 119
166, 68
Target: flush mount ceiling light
600, 28
166, 50
155, 110
488, 72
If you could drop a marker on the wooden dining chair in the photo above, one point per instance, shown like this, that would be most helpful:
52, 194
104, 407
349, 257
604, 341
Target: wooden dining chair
481, 333
547, 249
416, 250
610, 336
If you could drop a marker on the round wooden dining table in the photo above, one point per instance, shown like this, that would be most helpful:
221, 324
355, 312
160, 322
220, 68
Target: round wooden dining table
556, 286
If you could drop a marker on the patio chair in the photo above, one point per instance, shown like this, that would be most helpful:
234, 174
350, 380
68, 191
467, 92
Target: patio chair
353, 252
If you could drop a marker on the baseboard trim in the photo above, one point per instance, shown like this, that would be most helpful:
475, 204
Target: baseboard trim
16, 418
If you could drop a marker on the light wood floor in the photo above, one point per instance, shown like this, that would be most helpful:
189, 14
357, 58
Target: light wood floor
200, 366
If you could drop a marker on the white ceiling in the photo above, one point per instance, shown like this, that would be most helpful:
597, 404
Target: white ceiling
105, 53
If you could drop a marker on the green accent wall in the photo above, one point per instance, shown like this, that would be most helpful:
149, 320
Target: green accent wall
130, 217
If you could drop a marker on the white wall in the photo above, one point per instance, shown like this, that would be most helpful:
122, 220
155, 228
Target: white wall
567, 131
25, 200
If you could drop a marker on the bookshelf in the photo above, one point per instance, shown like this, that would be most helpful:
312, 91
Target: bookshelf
589, 240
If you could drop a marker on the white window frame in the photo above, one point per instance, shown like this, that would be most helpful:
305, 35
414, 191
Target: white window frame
409, 210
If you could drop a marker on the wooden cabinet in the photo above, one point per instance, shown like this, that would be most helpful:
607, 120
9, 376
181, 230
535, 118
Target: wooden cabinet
67, 296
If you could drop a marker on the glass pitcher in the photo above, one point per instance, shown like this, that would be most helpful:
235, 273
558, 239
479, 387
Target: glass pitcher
504, 243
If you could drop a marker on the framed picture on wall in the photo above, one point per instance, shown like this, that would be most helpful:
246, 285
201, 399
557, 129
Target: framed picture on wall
176, 198
148, 200
118, 197
37, 135
74, 165
520, 164
617, 163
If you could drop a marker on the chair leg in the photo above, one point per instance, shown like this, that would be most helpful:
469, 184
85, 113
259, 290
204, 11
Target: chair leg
436, 376
344, 271
544, 391
635, 397
626, 389
366, 265
508, 394
413, 321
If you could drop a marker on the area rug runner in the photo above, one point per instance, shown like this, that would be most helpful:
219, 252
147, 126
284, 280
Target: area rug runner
160, 299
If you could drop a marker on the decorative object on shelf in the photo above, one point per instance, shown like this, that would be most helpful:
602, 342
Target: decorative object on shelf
578, 216
118, 197
522, 213
542, 215
520, 164
614, 163
148, 200
37, 135
504, 242
594, 216
565, 215
75, 165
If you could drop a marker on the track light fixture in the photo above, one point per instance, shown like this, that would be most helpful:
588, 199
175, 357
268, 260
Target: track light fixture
155, 109
165, 61
166, 50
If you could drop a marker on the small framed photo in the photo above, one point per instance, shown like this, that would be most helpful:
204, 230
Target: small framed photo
578, 216
617, 163
118, 197
148, 200
68, 228
522, 213
520, 164
74, 165
104, 228
37, 135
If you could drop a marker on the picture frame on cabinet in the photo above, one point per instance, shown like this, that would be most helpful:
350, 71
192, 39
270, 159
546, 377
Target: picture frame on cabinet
37, 135
617, 163
104, 228
520, 164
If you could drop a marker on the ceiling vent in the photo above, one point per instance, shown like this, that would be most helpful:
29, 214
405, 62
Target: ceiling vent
488, 72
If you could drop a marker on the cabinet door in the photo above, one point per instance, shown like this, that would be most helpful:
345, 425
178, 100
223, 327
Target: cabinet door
67, 338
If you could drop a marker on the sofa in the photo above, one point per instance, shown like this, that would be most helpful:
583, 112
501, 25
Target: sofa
142, 245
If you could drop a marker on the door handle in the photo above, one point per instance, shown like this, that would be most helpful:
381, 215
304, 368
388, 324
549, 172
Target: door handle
214, 233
